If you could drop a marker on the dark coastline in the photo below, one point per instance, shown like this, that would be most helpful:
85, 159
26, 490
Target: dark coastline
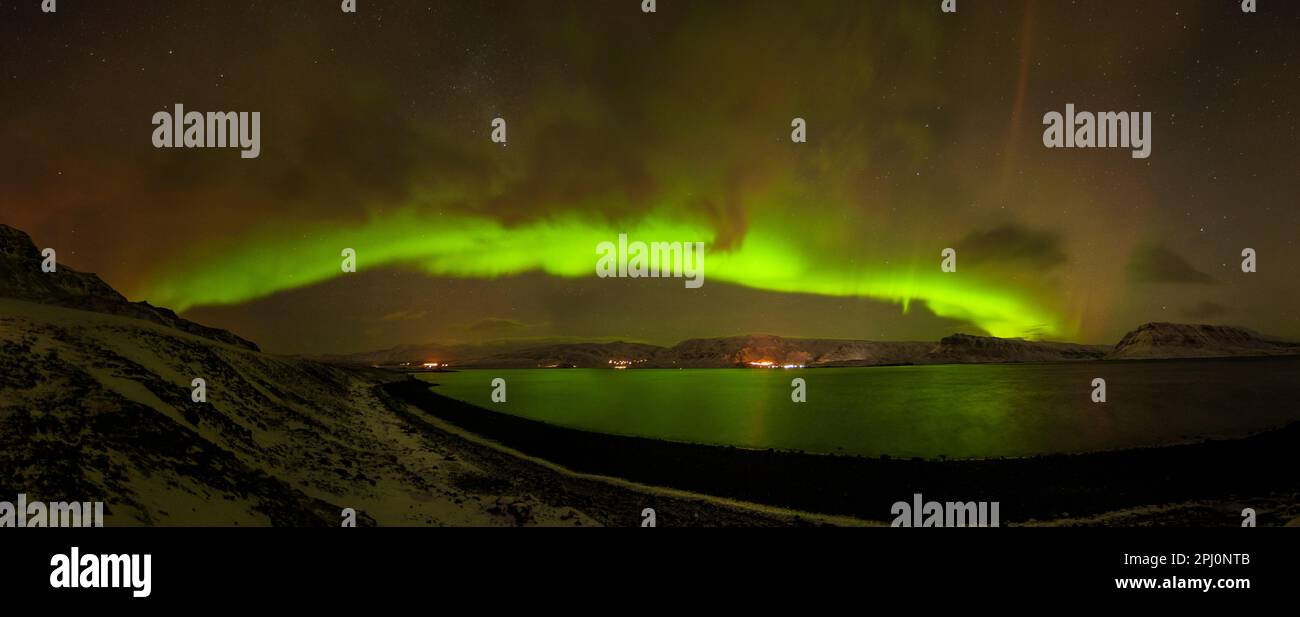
1029, 489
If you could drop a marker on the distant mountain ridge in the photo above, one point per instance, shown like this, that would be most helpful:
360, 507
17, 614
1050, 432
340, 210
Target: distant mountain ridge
736, 351
1170, 340
1149, 341
21, 278
968, 348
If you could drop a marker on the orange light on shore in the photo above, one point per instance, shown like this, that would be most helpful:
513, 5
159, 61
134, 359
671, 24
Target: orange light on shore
771, 364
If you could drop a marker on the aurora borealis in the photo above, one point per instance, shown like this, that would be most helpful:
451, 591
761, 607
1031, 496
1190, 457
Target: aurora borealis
924, 132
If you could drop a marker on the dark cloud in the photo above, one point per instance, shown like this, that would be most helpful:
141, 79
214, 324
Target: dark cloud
1012, 244
496, 327
405, 315
1156, 263
1206, 310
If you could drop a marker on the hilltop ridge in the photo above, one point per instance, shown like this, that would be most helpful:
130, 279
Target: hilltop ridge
21, 278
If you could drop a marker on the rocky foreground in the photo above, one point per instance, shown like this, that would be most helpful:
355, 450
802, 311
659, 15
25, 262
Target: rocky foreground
98, 407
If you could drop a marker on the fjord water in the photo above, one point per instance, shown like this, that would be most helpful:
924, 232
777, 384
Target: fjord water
955, 411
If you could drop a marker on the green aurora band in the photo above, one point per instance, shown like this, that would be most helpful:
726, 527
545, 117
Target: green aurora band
770, 258
774, 218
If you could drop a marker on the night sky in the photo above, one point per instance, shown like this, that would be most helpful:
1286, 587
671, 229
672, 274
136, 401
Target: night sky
924, 132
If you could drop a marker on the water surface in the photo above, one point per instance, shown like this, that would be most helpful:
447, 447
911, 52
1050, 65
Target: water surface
957, 411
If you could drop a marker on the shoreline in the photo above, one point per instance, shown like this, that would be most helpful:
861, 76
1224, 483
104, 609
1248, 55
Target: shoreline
397, 369
1212, 478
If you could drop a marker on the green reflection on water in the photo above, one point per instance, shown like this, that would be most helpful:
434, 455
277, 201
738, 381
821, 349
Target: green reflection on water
957, 411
